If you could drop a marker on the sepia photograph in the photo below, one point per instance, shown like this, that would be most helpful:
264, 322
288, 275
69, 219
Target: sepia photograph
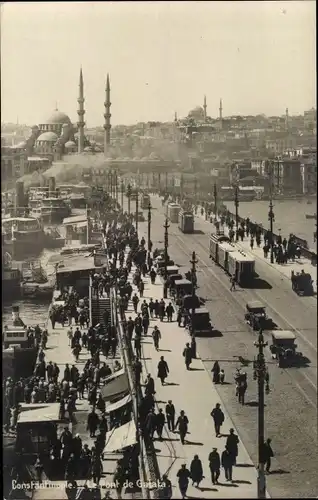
159, 250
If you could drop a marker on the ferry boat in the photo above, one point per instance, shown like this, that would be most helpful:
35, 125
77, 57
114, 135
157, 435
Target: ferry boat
11, 278
35, 282
23, 235
50, 210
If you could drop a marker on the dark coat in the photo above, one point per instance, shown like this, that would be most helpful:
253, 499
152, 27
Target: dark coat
214, 461
232, 444
217, 415
187, 353
163, 369
196, 470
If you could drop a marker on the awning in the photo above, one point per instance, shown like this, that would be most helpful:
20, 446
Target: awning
121, 437
119, 404
40, 412
117, 385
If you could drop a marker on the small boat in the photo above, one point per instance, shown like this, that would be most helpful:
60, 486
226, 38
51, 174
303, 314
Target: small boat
311, 216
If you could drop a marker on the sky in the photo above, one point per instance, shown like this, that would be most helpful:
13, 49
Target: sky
162, 57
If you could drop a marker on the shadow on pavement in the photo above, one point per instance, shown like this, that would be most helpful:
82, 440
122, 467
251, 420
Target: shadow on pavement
259, 284
228, 484
197, 369
279, 471
207, 489
193, 443
244, 465
164, 350
253, 404
216, 333
241, 481
171, 383
198, 231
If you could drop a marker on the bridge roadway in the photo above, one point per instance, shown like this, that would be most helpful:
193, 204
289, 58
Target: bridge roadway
291, 406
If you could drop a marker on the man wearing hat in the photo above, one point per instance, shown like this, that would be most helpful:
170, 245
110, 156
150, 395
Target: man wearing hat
215, 465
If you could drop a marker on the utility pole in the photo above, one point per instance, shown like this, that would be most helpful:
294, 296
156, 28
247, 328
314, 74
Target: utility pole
261, 375
166, 181
215, 196
193, 261
111, 184
166, 243
128, 196
137, 211
159, 181
122, 195
271, 215
116, 186
236, 203
195, 190
153, 181
181, 188
149, 230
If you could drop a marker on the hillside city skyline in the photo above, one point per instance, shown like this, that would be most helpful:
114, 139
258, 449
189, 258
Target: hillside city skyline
259, 58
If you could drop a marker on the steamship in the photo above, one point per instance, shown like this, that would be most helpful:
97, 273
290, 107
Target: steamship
22, 236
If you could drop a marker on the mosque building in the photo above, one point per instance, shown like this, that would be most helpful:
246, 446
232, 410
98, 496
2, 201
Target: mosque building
53, 138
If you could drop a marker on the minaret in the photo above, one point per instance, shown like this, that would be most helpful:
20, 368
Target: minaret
107, 116
204, 108
286, 119
81, 113
220, 112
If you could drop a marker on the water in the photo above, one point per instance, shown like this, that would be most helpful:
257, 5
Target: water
31, 312
289, 216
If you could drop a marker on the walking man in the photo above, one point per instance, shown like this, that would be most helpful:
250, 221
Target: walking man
218, 417
156, 335
170, 415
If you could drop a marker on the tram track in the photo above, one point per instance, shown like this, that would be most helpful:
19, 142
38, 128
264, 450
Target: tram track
305, 378
290, 411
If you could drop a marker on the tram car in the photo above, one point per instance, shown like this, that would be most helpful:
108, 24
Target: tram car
186, 222
145, 201
173, 212
242, 266
234, 261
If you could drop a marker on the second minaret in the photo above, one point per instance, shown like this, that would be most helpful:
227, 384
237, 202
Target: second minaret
107, 115
81, 113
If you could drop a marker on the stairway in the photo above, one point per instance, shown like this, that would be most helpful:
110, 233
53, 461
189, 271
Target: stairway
99, 305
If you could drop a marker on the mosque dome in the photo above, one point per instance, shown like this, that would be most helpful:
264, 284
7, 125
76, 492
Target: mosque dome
48, 137
58, 118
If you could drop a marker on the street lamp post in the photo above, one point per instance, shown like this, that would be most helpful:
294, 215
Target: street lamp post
215, 196
236, 203
149, 231
122, 195
181, 187
195, 190
116, 186
128, 196
111, 184
261, 375
137, 211
271, 215
166, 243
193, 261
159, 181
166, 181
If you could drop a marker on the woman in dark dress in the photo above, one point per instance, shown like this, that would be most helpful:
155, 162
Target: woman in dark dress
216, 372
196, 470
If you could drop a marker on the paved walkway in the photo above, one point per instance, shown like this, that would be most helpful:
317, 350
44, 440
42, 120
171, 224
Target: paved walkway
284, 269
192, 392
58, 351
